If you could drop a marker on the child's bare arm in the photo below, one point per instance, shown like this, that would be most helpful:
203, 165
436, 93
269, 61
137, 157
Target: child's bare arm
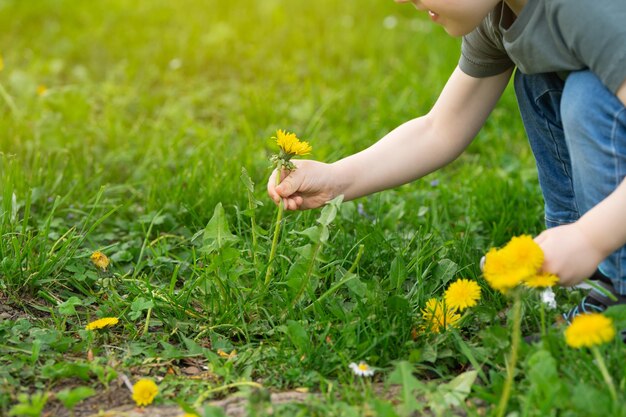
410, 151
427, 143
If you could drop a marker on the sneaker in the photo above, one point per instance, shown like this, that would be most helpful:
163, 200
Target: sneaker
595, 301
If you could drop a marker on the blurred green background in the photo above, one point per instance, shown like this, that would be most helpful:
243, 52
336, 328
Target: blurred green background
155, 94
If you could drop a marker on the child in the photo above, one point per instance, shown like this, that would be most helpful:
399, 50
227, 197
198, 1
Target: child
570, 83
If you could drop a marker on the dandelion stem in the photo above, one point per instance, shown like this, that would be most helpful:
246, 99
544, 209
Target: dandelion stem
309, 271
515, 341
542, 315
279, 217
253, 229
147, 325
601, 289
605, 373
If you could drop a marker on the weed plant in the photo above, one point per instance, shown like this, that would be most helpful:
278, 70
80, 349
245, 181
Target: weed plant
141, 129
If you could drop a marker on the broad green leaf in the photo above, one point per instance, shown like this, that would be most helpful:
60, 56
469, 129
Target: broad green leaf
193, 348
246, 180
67, 308
543, 376
358, 287
398, 306
71, 397
384, 408
393, 215
249, 184
122, 256
456, 391
590, 401
140, 304
298, 269
66, 370
329, 212
618, 314
403, 375
314, 233
217, 232
29, 406
445, 271
398, 273
298, 336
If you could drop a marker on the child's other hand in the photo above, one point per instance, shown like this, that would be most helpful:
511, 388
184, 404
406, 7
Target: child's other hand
569, 253
311, 185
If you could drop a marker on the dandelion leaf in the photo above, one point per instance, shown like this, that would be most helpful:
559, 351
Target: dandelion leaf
618, 314
402, 375
590, 401
398, 306
384, 408
249, 184
298, 270
357, 287
329, 212
314, 233
545, 383
67, 308
398, 273
454, 393
71, 397
298, 336
445, 271
217, 233
139, 304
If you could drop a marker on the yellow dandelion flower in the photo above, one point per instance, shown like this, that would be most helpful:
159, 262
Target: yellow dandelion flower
1, 62
100, 260
41, 90
523, 253
541, 280
589, 330
225, 355
438, 317
499, 273
517, 261
144, 392
101, 323
461, 294
290, 144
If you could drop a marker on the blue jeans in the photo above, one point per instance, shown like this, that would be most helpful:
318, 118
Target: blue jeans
577, 131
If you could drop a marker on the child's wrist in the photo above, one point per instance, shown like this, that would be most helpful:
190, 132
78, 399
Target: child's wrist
595, 237
341, 179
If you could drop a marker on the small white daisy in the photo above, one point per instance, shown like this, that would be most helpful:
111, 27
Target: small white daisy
547, 297
361, 369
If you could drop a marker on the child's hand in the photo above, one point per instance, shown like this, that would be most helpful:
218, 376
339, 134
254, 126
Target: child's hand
569, 253
311, 185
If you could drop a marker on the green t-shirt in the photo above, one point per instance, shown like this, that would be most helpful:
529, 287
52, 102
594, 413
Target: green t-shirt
551, 36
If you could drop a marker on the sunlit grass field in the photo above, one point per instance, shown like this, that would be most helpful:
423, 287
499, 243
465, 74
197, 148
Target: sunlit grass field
141, 129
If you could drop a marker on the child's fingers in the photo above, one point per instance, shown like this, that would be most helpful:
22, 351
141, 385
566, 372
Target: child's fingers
271, 188
289, 185
293, 203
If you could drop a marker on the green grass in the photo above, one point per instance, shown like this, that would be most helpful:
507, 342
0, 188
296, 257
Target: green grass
137, 148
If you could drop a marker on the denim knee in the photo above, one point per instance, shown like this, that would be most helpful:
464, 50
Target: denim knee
539, 98
594, 122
